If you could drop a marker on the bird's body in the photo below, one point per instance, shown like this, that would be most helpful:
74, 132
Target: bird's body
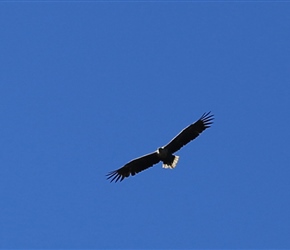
164, 154
169, 160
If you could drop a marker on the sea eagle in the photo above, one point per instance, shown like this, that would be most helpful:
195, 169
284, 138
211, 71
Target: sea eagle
164, 154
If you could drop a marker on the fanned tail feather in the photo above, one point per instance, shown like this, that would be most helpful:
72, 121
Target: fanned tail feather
173, 164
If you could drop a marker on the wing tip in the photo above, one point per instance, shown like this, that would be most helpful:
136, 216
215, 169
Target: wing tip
114, 176
207, 119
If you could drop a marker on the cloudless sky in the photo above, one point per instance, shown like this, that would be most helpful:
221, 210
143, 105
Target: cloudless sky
87, 86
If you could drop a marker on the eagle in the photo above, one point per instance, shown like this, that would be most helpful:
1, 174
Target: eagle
165, 153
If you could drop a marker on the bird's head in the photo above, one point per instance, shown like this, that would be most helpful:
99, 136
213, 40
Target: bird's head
159, 150
162, 152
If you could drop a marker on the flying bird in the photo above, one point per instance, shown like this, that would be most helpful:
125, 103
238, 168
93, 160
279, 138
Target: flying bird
164, 154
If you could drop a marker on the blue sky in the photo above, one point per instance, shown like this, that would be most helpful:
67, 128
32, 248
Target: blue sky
87, 86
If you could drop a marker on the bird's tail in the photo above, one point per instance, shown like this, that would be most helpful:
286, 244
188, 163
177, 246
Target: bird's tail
172, 163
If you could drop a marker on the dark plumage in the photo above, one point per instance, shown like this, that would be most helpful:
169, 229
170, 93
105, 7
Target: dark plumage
164, 154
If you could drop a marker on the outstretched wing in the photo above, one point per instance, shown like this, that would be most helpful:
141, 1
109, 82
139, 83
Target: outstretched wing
133, 167
190, 133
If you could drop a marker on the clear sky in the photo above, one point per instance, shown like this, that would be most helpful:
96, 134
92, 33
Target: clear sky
87, 86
